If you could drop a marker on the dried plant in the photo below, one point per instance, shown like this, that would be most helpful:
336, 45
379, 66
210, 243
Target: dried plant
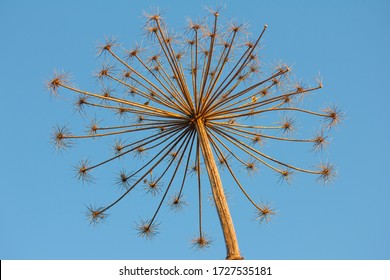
198, 97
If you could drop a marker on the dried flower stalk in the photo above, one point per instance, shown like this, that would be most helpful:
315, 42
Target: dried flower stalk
197, 98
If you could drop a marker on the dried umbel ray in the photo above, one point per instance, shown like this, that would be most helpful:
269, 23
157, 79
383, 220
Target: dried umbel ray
198, 97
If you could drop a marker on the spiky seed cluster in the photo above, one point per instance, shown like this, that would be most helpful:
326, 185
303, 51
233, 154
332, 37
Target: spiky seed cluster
177, 203
93, 127
60, 137
124, 180
222, 161
95, 215
83, 171
264, 213
286, 175
287, 124
327, 172
257, 139
333, 115
147, 229
59, 78
201, 242
119, 146
205, 85
320, 142
251, 167
152, 186
80, 103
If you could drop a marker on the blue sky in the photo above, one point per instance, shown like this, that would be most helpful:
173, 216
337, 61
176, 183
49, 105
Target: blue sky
43, 205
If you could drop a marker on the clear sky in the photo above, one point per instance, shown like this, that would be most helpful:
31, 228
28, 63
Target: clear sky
43, 205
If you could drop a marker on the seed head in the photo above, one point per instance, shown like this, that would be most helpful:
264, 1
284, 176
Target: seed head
93, 127
104, 71
106, 92
154, 15
194, 169
152, 185
222, 161
140, 119
121, 111
288, 124
299, 87
135, 51
257, 139
327, 173
140, 152
151, 31
236, 27
201, 242
83, 171
80, 103
59, 79
105, 47
264, 212
174, 155
118, 146
334, 116
124, 180
320, 142
264, 92
95, 215
60, 137
177, 203
285, 175
126, 74
251, 167
147, 230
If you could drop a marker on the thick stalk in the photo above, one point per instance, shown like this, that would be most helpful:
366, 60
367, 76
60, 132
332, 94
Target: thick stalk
233, 252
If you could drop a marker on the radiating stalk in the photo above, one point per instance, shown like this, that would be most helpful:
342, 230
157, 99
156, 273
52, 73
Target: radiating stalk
233, 252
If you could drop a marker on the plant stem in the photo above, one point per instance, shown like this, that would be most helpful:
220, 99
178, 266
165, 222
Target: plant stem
233, 252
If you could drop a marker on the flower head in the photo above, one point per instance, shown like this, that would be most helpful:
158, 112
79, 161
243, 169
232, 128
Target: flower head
59, 79
285, 175
147, 229
83, 171
288, 124
153, 185
119, 146
177, 203
124, 180
107, 46
327, 173
334, 116
201, 242
96, 215
251, 167
80, 103
105, 71
320, 142
61, 137
264, 212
